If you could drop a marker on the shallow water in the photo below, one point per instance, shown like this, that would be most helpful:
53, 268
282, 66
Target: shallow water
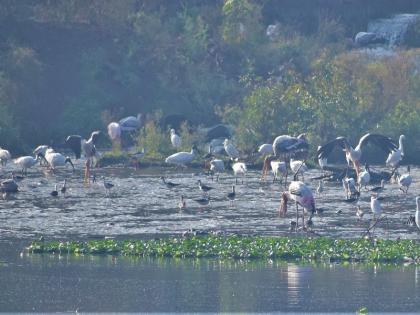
105, 283
140, 204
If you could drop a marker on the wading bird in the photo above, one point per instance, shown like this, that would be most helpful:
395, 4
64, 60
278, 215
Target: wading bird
231, 150
203, 201
182, 203
266, 149
25, 162
239, 169
216, 167
417, 215
405, 180
298, 167
114, 133
363, 178
286, 147
353, 155
375, 206
64, 187
302, 195
379, 188
396, 156
4, 156
169, 184
108, 185
175, 139
55, 159
131, 123
232, 195
54, 193
182, 158
9, 186
204, 188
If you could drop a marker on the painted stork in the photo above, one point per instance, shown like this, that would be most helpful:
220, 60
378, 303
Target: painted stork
175, 139
4, 156
55, 160
298, 167
395, 157
286, 146
182, 158
302, 195
353, 155
25, 162
231, 150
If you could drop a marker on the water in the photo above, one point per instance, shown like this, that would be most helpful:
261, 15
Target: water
141, 206
49, 283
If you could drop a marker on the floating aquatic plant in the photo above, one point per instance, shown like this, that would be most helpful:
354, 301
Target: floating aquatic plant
311, 249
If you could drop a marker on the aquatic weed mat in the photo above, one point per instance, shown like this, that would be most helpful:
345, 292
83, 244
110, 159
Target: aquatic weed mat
283, 248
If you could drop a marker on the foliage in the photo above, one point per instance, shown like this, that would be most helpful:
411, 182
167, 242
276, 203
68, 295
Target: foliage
289, 249
154, 140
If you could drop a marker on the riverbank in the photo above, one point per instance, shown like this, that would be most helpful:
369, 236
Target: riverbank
283, 248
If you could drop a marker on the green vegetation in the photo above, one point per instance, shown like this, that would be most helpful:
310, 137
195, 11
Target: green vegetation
70, 67
289, 249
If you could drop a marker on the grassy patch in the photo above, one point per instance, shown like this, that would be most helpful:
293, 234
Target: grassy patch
309, 249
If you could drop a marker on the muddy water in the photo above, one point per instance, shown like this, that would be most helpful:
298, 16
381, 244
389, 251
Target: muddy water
140, 204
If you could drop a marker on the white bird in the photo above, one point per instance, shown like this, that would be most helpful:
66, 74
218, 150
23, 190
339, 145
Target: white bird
55, 160
216, 146
217, 166
349, 185
395, 157
4, 156
320, 188
353, 155
364, 178
375, 206
279, 169
359, 212
175, 139
298, 167
182, 158
25, 162
88, 146
239, 168
131, 123
285, 146
302, 195
417, 215
405, 180
266, 149
41, 149
230, 149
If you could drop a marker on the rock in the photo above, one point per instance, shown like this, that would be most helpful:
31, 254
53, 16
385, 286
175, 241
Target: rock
216, 132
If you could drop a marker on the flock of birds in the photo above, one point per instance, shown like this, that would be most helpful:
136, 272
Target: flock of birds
286, 155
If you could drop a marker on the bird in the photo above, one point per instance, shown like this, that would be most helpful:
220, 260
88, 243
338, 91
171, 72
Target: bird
175, 139
405, 180
9, 186
320, 188
353, 155
64, 187
78, 145
89, 149
302, 195
41, 149
169, 184
363, 178
182, 158
298, 167
56, 159
279, 169
349, 185
417, 215
266, 149
136, 156
232, 195
114, 133
204, 201
131, 123
108, 185
25, 162
359, 212
204, 188
322, 162
396, 156
230, 150
182, 203
286, 146
54, 193
217, 166
379, 188
375, 206
239, 168
4, 156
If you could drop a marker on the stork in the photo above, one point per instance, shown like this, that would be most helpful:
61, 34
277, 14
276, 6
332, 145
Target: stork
302, 195
89, 149
182, 158
353, 155
266, 149
231, 150
286, 146
25, 162
131, 123
217, 166
41, 149
55, 160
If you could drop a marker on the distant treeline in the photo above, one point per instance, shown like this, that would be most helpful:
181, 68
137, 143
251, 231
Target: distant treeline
72, 66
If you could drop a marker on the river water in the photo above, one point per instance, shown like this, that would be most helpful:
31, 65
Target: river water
141, 206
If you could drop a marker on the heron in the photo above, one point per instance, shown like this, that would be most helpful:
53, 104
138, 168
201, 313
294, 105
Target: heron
302, 195
353, 155
175, 139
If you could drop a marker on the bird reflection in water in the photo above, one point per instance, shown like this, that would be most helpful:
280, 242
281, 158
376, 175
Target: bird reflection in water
297, 280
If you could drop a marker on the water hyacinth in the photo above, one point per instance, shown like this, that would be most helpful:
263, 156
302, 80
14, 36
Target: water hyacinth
288, 249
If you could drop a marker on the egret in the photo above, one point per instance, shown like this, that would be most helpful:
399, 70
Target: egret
114, 133
217, 166
175, 139
302, 195
4, 156
417, 215
363, 178
182, 158
405, 180
231, 150
375, 206
239, 168
353, 155
395, 157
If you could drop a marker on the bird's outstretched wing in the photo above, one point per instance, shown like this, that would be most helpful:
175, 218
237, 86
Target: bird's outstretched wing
74, 142
325, 150
383, 142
